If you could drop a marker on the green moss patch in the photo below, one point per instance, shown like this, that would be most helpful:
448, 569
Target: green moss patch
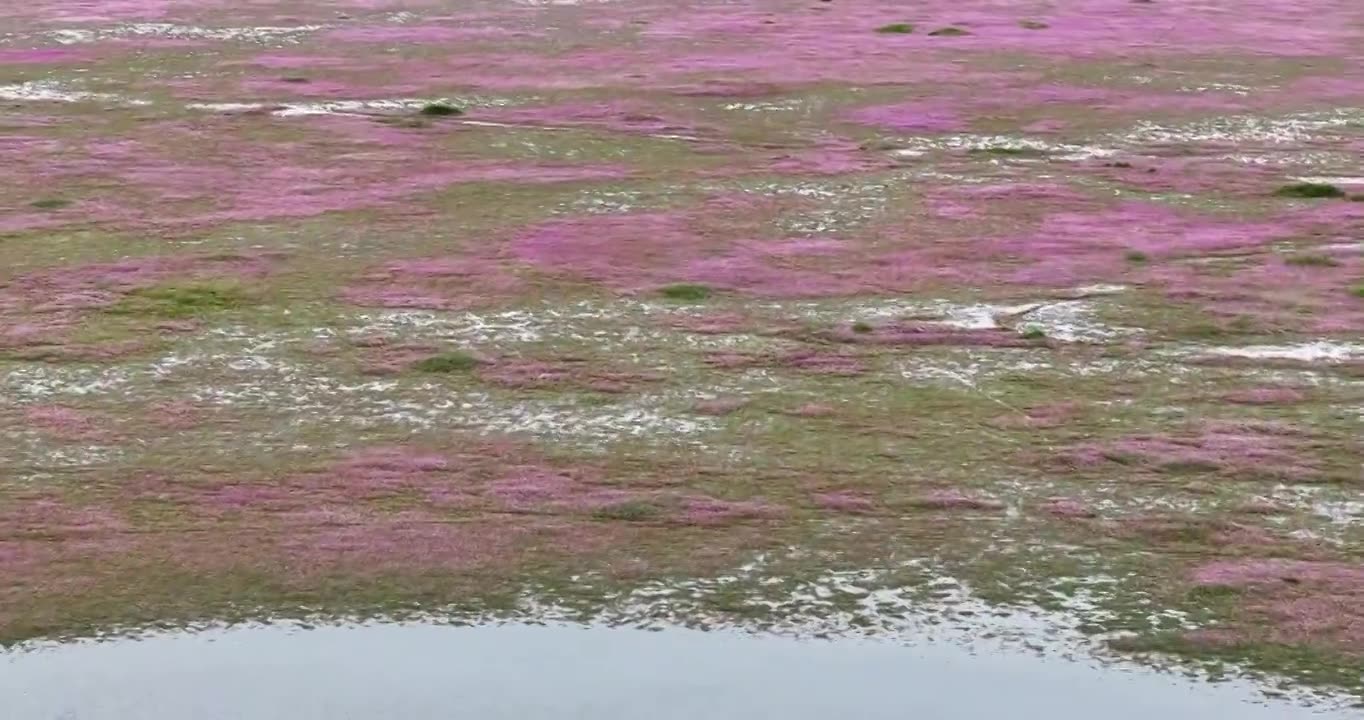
686, 292
1310, 190
447, 362
182, 301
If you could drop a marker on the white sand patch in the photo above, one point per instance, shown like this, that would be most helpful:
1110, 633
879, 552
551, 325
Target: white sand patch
1317, 351
226, 107
1244, 129
1336, 180
916, 146
344, 107
1064, 320
49, 91
266, 34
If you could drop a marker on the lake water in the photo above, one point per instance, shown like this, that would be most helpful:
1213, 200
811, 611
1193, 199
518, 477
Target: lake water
415, 671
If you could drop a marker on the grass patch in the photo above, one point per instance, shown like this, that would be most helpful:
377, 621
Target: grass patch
1312, 260
1310, 190
181, 301
1034, 333
50, 203
1189, 467
896, 29
446, 363
1210, 593
440, 109
633, 511
1033, 25
949, 32
1357, 291
686, 292
1010, 151
1136, 256
862, 327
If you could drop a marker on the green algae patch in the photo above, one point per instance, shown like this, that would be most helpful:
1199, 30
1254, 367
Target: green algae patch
447, 363
686, 292
1310, 190
949, 32
896, 29
1136, 257
182, 301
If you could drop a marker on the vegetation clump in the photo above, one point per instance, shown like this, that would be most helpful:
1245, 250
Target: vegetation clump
949, 32
896, 29
1311, 190
440, 109
633, 511
1312, 260
686, 292
50, 203
446, 363
181, 301
1033, 25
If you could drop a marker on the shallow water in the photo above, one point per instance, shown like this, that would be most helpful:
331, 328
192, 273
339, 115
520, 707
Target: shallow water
421, 671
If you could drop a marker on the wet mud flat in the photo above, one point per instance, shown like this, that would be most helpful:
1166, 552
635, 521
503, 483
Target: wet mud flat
420, 672
1036, 321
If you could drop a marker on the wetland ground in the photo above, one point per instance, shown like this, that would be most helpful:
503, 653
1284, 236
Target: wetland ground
1042, 320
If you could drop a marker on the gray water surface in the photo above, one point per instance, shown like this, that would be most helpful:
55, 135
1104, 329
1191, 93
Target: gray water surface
528, 672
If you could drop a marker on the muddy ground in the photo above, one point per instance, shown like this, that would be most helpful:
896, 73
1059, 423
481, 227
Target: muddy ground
1042, 319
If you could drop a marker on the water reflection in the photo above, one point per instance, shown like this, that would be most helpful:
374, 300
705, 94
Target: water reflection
419, 671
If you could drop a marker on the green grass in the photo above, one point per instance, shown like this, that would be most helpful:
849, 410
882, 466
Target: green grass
1358, 291
1136, 256
686, 292
1032, 25
1310, 190
949, 32
440, 109
862, 327
1312, 260
1034, 333
181, 301
896, 28
447, 362
633, 511
50, 203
